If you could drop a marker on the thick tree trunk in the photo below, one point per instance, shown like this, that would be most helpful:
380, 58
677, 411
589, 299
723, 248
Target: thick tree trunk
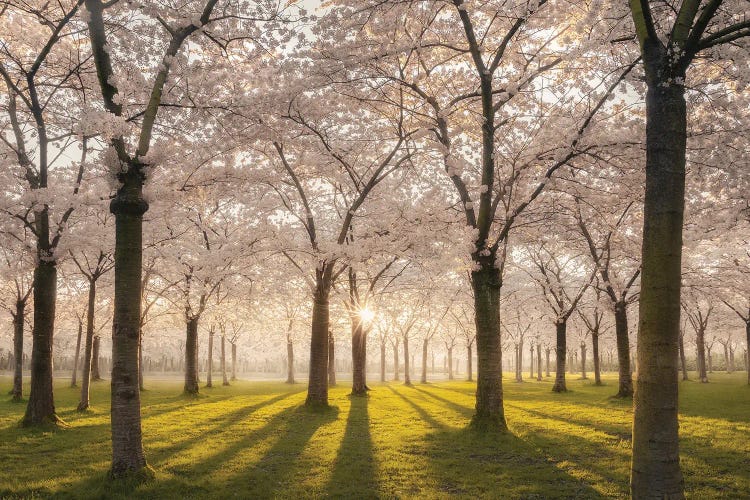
88, 350
382, 362
331, 360
359, 357
561, 349
407, 368
423, 378
395, 361
583, 361
450, 363
210, 361
74, 375
469, 364
597, 359
320, 342
234, 361
486, 283
128, 207
539, 362
655, 467
289, 361
191, 355
95, 358
41, 405
625, 375
700, 344
18, 319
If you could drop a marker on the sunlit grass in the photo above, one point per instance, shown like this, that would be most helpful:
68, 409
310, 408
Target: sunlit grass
256, 440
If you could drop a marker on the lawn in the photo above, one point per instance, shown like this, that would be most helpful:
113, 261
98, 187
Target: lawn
256, 440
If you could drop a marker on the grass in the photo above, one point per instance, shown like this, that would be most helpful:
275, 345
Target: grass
256, 440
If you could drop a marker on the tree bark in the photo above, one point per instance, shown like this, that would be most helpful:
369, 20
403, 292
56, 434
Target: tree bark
423, 378
597, 359
700, 344
289, 362
655, 467
407, 370
450, 363
625, 376
41, 405
331, 360
210, 363
128, 208
320, 342
538, 362
74, 375
88, 349
683, 363
224, 379
469, 363
486, 283
140, 360
18, 319
546, 365
191, 356
531, 361
234, 361
359, 357
95, 358
583, 360
560, 330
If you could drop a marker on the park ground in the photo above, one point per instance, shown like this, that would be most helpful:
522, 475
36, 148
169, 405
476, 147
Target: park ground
256, 440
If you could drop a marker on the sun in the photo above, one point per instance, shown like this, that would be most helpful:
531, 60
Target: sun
366, 314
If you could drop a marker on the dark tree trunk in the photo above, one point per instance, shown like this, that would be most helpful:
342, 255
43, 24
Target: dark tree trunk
597, 359
140, 360
683, 363
583, 361
531, 361
625, 374
88, 350
423, 378
41, 406
331, 360
382, 362
359, 357
700, 344
320, 342
224, 379
469, 364
191, 356
450, 363
726, 357
74, 375
539, 362
561, 349
486, 283
289, 362
18, 319
95, 358
407, 368
519, 361
210, 362
234, 361
546, 365
128, 207
655, 469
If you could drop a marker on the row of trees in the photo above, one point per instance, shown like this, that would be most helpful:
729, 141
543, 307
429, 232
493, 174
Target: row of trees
460, 139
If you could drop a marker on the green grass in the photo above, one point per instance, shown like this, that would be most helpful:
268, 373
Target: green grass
256, 440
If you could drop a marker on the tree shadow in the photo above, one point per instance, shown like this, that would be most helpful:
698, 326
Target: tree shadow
355, 468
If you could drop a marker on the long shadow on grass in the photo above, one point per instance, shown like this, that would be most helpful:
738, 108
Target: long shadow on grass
354, 471
473, 464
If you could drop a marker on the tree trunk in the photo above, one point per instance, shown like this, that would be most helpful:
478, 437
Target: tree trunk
382, 362
700, 345
531, 361
18, 319
89, 352
726, 357
191, 355
683, 364
423, 378
320, 342
597, 359
41, 406
359, 357
625, 389
469, 363
450, 363
289, 362
539, 362
331, 360
583, 361
224, 379
560, 329
395, 361
407, 370
140, 360
210, 363
655, 467
519, 361
234, 361
546, 365
73, 377
486, 283
95, 375
128, 207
